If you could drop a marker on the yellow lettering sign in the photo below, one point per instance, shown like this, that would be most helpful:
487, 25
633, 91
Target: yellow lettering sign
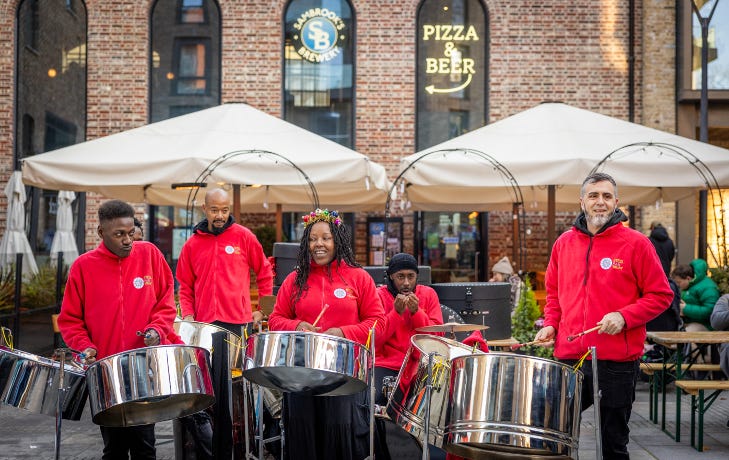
449, 32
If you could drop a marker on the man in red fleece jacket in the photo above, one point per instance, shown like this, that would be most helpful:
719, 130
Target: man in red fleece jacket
602, 273
408, 306
112, 292
214, 269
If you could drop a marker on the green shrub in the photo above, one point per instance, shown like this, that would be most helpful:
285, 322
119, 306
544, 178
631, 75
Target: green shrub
523, 321
39, 290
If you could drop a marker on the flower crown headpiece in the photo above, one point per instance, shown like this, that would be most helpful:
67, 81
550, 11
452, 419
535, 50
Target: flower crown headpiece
321, 215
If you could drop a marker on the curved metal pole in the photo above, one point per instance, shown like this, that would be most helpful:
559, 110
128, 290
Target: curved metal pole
712, 185
205, 174
500, 168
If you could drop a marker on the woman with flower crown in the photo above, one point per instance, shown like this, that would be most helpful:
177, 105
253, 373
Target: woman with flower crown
328, 285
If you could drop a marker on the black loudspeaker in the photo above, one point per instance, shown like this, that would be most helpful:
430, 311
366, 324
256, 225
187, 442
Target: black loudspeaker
378, 273
285, 255
480, 303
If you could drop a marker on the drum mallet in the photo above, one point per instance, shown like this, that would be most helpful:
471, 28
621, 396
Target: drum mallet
321, 313
573, 337
527, 344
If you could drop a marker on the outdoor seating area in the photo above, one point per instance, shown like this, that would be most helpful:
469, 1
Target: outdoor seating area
679, 367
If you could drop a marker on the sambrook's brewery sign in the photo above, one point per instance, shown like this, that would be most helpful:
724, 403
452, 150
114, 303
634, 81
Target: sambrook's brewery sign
319, 32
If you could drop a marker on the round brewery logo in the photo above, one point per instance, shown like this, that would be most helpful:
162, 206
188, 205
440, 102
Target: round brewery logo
318, 32
138, 282
340, 293
229, 249
606, 263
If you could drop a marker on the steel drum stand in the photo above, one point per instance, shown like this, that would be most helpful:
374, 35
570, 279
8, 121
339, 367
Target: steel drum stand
59, 403
428, 392
259, 427
372, 396
596, 405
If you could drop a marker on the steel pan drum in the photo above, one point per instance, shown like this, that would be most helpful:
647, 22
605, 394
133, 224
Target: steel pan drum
513, 404
201, 335
407, 404
307, 362
149, 385
30, 382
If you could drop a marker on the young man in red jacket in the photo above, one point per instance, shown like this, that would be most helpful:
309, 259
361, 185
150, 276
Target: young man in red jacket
606, 274
214, 269
408, 306
112, 292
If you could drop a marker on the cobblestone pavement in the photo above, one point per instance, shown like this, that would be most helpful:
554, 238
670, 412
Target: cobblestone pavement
24, 435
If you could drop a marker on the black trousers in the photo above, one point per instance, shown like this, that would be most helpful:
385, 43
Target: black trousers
616, 382
380, 374
134, 441
236, 329
326, 427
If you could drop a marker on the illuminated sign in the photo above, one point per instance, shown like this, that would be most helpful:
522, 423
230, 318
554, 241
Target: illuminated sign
451, 62
320, 31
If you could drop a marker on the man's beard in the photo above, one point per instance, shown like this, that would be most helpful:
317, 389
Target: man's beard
597, 221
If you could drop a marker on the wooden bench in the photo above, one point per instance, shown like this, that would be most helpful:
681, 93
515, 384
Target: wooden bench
700, 403
653, 389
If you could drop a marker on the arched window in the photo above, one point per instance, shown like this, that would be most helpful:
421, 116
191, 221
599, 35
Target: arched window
452, 70
184, 71
50, 99
319, 68
185, 57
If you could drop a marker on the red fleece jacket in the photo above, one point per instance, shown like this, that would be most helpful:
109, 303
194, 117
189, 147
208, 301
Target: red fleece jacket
214, 272
616, 270
395, 341
108, 299
350, 293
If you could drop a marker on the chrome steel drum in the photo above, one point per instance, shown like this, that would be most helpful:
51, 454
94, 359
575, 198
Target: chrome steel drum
307, 362
30, 382
201, 335
407, 404
513, 404
149, 385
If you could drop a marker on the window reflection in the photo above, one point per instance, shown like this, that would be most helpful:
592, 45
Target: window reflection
451, 62
718, 42
318, 68
51, 101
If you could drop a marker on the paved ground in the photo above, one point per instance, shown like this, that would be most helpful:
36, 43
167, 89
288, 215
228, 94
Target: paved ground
24, 435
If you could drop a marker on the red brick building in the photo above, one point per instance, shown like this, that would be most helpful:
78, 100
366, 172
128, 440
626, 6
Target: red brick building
628, 59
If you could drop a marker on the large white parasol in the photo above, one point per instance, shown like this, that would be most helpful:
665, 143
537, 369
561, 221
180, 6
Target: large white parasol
14, 241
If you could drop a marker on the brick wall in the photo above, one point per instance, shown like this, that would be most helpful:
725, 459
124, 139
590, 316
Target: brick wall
557, 50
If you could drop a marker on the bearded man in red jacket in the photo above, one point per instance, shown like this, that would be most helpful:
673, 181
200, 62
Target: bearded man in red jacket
606, 274
112, 292
214, 269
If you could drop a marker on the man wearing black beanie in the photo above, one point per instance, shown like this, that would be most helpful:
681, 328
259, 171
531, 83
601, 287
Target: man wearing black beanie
408, 306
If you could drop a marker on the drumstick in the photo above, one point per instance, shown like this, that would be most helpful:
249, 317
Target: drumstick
573, 337
321, 313
519, 345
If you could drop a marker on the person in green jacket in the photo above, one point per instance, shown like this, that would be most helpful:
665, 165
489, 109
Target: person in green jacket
699, 293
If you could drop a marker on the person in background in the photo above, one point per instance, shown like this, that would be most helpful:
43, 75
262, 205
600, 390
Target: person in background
663, 244
503, 272
699, 294
720, 322
112, 292
606, 274
408, 306
214, 269
327, 281
138, 230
